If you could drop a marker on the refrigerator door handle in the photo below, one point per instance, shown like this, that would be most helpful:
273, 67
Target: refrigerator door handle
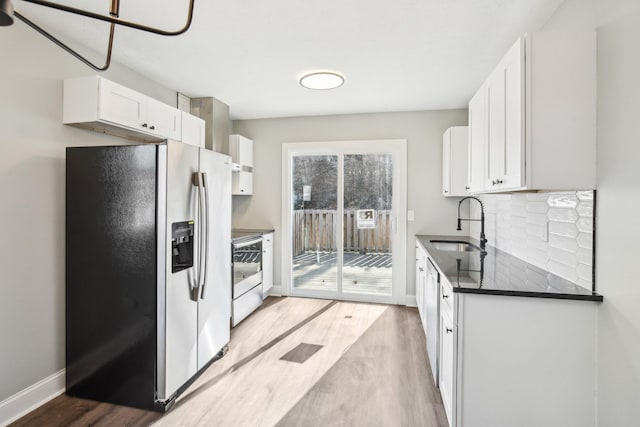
195, 289
205, 256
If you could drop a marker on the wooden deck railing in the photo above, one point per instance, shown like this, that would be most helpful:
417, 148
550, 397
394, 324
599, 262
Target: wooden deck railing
315, 229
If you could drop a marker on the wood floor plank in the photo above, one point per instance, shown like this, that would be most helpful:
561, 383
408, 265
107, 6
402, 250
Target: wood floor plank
371, 370
378, 382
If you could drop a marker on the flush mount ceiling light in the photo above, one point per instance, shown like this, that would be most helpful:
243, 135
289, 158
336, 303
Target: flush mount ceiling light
322, 80
7, 13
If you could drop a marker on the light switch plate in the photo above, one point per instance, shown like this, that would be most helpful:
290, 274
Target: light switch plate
411, 215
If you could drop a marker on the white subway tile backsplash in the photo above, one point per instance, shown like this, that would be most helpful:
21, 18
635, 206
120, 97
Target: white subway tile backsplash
563, 270
565, 257
585, 256
562, 200
537, 207
585, 224
567, 229
540, 197
585, 272
585, 240
518, 224
563, 242
585, 208
562, 214
584, 195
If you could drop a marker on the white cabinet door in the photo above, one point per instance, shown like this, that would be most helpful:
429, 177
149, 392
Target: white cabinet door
242, 183
122, 106
455, 149
432, 316
477, 142
446, 163
241, 149
193, 130
164, 120
505, 123
420, 275
495, 128
267, 263
446, 361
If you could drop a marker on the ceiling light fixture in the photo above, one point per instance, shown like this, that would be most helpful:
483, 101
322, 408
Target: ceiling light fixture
7, 13
322, 80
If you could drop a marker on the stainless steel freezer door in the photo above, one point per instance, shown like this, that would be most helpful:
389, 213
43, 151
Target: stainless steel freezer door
214, 305
177, 311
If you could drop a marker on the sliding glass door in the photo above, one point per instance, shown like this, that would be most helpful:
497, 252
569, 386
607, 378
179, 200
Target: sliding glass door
343, 213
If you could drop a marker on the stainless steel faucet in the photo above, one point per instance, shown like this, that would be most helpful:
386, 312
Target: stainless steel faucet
483, 238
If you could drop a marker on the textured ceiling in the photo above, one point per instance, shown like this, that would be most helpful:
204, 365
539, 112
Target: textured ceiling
396, 55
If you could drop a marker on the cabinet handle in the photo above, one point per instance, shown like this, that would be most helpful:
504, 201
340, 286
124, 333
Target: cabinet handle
467, 188
447, 330
152, 127
421, 269
444, 296
144, 125
446, 191
499, 181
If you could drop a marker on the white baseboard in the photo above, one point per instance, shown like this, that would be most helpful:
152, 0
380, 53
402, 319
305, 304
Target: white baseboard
412, 301
275, 291
31, 398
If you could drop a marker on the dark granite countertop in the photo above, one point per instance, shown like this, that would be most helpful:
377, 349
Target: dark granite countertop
498, 273
248, 233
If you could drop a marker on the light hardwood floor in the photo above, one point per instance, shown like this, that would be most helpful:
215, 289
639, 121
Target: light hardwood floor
371, 370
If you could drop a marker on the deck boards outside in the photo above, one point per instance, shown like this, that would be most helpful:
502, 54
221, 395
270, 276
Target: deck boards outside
362, 273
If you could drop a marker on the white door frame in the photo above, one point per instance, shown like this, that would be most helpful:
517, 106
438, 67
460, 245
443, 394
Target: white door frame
395, 147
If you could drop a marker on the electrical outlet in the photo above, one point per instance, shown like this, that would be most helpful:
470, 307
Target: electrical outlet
411, 215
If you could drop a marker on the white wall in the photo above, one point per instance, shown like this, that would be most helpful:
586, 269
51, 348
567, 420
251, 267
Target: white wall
32, 213
423, 131
617, 225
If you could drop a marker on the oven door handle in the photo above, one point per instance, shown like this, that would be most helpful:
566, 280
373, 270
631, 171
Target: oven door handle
241, 245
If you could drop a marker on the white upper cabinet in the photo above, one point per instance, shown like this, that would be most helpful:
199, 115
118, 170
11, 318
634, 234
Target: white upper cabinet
505, 120
241, 150
193, 130
454, 161
117, 104
536, 116
164, 120
477, 142
101, 105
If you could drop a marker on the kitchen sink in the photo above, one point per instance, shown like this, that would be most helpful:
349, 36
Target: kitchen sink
453, 246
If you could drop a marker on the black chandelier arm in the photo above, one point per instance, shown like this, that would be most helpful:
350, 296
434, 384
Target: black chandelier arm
116, 20
67, 48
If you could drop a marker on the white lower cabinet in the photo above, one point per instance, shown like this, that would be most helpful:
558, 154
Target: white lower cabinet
421, 279
508, 361
267, 263
517, 361
446, 357
446, 362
